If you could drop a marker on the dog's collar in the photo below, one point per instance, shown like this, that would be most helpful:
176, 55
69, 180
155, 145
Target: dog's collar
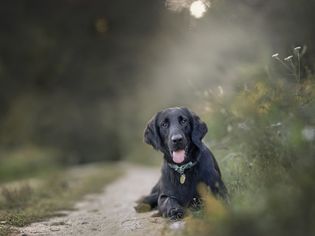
181, 169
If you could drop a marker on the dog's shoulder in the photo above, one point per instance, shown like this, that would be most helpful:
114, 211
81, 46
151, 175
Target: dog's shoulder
208, 163
206, 156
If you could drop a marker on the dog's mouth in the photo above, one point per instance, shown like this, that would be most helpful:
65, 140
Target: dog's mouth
179, 155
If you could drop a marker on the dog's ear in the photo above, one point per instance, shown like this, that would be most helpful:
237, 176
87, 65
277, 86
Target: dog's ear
199, 129
151, 133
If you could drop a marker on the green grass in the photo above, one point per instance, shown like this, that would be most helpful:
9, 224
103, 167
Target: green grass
264, 201
26, 162
24, 202
266, 160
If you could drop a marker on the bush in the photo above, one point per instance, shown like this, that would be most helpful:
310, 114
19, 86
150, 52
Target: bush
268, 165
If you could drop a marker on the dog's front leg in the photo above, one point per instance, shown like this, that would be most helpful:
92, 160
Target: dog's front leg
169, 207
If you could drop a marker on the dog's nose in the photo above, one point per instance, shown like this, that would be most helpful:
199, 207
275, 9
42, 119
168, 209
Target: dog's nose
177, 138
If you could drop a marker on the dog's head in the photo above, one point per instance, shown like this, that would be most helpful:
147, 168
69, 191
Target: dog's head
176, 132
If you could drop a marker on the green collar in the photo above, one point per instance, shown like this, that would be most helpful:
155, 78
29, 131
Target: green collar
181, 169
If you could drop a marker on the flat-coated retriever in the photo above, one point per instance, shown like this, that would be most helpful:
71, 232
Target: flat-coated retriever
177, 133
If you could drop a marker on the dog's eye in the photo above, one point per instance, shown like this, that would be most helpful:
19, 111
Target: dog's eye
164, 124
183, 121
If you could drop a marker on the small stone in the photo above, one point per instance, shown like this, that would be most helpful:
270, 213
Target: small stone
142, 207
178, 225
54, 229
57, 223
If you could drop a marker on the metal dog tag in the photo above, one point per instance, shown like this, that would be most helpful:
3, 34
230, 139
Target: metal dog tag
182, 178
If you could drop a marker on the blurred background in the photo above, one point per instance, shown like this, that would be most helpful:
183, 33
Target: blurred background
79, 79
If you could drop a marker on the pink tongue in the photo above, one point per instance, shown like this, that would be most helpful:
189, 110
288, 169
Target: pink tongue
179, 156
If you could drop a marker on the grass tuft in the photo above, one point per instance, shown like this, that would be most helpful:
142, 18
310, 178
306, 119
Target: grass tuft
26, 203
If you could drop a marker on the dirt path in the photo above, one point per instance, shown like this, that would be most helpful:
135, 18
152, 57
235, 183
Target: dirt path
108, 213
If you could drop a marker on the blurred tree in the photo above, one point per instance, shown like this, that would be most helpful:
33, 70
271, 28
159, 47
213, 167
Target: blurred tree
72, 72
64, 69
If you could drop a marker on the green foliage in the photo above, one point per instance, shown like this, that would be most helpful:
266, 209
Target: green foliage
65, 73
267, 157
27, 161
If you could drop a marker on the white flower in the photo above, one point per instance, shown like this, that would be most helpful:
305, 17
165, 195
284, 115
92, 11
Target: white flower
308, 133
229, 128
220, 90
288, 58
276, 124
276, 55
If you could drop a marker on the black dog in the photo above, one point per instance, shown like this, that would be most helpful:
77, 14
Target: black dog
177, 133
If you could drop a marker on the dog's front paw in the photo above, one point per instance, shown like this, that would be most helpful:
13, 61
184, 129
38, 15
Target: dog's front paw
176, 213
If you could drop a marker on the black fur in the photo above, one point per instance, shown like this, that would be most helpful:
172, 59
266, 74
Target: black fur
169, 195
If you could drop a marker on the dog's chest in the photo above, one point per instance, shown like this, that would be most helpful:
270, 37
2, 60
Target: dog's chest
185, 192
